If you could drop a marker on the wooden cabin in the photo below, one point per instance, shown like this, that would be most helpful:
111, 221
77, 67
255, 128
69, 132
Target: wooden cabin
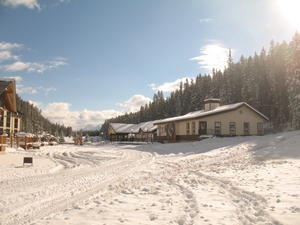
122, 131
145, 131
215, 119
10, 120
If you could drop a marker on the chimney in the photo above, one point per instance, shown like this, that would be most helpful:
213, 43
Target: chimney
211, 104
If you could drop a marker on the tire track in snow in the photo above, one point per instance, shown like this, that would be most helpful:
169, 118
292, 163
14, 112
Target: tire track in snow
41, 207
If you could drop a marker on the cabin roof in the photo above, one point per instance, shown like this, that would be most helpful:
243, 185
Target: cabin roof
202, 113
133, 128
122, 127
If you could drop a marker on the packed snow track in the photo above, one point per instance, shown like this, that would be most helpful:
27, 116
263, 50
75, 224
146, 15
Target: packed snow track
229, 181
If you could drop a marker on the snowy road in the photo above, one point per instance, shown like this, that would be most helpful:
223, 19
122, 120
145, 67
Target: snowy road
242, 180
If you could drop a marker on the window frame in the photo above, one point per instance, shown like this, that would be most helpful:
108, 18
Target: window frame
16, 123
193, 128
246, 129
218, 129
187, 127
8, 118
232, 128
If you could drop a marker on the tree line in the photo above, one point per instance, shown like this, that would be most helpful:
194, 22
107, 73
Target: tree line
269, 81
32, 120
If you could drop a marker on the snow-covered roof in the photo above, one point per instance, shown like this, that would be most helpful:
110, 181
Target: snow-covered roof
146, 126
133, 128
202, 113
123, 127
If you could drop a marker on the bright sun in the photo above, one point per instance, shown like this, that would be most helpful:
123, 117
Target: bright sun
291, 11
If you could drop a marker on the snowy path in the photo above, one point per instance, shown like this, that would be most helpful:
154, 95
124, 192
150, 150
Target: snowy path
242, 181
26, 199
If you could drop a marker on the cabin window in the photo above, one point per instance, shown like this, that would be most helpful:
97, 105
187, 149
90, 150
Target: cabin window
8, 119
188, 128
232, 128
193, 128
260, 128
161, 130
217, 128
16, 123
246, 128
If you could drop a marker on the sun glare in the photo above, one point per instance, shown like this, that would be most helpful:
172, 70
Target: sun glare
291, 11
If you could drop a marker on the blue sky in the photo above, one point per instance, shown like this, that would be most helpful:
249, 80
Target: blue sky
85, 61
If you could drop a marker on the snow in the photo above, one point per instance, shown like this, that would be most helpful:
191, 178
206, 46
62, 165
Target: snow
239, 180
133, 128
202, 113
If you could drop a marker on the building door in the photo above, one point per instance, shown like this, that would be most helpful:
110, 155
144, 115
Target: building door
246, 128
202, 127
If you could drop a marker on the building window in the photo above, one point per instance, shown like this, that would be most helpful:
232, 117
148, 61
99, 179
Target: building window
16, 123
246, 128
260, 128
193, 128
8, 120
232, 129
217, 128
188, 128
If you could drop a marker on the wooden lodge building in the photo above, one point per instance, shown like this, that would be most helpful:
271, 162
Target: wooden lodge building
10, 120
214, 119
145, 131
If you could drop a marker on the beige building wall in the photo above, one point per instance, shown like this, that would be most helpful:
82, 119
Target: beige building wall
239, 116
111, 131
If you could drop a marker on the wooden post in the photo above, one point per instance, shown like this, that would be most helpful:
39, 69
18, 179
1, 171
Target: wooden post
11, 140
25, 143
17, 138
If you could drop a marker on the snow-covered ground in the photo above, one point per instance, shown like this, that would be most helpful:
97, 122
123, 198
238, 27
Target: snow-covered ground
240, 180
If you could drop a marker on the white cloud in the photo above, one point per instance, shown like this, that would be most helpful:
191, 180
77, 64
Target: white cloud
60, 112
31, 4
170, 86
16, 66
213, 56
17, 78
134, 103
22, 89
9, 46
33, 67
206, 20
6, 49
6, 55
